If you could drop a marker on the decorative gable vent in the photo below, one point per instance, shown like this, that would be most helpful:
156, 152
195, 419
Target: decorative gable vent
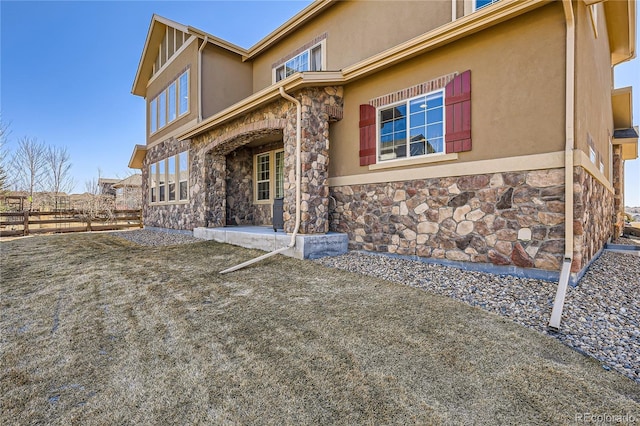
172, 41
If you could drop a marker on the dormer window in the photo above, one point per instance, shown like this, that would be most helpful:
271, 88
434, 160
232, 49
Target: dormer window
308, 60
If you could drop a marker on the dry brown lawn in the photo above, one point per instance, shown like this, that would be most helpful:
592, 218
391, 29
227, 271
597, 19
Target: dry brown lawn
98, 330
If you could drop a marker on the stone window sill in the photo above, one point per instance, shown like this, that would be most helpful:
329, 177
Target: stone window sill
414, 161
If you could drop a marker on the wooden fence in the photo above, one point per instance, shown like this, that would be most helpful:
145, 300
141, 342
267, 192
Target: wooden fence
32, 222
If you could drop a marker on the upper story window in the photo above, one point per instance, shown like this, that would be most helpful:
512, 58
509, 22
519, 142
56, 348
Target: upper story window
479, 4
308, 60
170, 104
412, 128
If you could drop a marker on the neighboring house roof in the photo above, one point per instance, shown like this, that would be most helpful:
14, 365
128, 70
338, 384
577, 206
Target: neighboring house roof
107, 181
131, 181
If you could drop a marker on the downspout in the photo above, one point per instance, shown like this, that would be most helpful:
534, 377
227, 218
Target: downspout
298, 192
200, 49
565, 272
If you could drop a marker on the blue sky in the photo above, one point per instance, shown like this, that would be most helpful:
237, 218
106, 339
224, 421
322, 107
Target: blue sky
67, 70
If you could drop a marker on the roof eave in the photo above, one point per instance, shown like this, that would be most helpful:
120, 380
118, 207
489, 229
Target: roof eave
217, 41
288, 27
137, 156
622, 27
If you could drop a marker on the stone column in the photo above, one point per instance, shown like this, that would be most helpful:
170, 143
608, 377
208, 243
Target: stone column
618, 186
217, 190
314, 205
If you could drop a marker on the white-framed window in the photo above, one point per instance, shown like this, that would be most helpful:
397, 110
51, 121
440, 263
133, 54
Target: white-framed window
153, 115
183, 176
309, 60
153, 182
168, 180
263, 175
479, 4
412, 128
171, 178
592, 155
279, 174
162, 109
184, 93
170, 104
269, 176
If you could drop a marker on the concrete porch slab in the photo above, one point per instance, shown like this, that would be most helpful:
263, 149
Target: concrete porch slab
264, 238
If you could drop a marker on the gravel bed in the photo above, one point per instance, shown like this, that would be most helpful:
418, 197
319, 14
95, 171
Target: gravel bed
147, 237
601, 316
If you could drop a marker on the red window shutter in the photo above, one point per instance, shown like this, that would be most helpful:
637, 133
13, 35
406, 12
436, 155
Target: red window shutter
458, 113
367, 135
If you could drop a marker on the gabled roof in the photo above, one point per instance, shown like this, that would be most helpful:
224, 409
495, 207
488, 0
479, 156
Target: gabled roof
155, 35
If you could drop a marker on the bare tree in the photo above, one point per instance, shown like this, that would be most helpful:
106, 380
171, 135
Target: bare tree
29, 166
58, 174
96, 204
4, 135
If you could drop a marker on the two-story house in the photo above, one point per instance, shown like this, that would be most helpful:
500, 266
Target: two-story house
464, 131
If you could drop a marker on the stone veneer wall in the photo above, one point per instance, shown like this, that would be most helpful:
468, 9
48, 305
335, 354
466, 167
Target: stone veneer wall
176, 215
241, 209
514, 218
593, 214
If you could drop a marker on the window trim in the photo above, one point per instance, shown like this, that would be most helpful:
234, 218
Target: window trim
272, 175
409, 158
323, 61
164, 165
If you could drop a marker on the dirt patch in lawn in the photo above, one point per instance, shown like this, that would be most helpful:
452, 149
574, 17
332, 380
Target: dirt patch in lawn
97, 329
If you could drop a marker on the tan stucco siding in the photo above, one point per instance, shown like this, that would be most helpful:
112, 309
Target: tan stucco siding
518, 90
355, 31
187, 58
225, 79
594, 116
